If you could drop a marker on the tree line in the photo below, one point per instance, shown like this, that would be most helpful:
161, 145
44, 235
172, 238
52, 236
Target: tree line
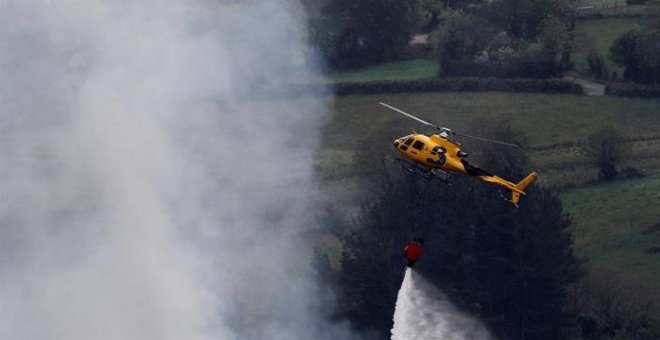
497, 38
504, 38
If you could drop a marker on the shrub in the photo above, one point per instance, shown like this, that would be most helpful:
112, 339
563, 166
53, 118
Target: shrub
460, 85
637, 51
609, 307
605, 148
652, 250
633, 90
631, 173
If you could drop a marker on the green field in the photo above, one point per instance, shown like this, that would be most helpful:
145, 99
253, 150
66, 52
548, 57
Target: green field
546, 119
610, 9
607, 3
360, 126
617, 228
599, 34
359, 122
615, 7
409, 69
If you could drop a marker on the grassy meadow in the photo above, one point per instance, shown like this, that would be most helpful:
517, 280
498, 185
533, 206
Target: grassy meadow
398, 70
544, 120
617, 228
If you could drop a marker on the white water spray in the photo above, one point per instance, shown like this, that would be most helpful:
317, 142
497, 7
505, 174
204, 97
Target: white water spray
423, 312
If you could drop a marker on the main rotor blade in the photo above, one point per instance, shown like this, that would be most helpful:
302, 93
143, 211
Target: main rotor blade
441, 128
409, 115
486, 140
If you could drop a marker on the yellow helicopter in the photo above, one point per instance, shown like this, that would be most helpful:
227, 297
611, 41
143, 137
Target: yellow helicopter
437, 154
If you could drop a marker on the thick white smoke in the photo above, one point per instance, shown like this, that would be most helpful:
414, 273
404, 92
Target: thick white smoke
423, 312
150, 188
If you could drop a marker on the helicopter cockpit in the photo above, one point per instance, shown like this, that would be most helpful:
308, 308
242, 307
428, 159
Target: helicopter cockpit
404, 142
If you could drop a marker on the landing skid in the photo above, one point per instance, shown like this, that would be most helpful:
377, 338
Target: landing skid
424, 171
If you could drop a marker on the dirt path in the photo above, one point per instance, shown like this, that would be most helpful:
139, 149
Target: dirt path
590, 88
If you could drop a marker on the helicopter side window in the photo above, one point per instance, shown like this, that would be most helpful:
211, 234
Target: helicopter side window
418, 145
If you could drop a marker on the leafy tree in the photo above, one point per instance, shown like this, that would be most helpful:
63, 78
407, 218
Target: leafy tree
652, 29
639, 50
553, 36
605, 148
505, 38
431, 11
524, 18
459, 40
352, 33
510, 266
628, 50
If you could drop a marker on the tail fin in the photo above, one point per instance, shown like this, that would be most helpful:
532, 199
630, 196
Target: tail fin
515, 195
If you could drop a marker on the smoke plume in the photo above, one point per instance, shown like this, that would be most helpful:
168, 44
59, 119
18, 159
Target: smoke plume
423, 312
145, 192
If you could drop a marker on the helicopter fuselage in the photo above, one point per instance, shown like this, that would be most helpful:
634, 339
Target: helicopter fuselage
433, 152
438, 152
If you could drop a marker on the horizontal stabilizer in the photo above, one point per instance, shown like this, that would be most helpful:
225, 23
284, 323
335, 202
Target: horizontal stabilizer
520, 187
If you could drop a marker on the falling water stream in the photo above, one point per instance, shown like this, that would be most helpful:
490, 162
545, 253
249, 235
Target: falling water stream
424, 312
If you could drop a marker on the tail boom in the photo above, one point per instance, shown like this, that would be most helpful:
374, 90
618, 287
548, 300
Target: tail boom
516, 189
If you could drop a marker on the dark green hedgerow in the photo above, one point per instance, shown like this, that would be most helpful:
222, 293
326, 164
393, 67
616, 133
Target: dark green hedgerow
459, 85
633, 90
